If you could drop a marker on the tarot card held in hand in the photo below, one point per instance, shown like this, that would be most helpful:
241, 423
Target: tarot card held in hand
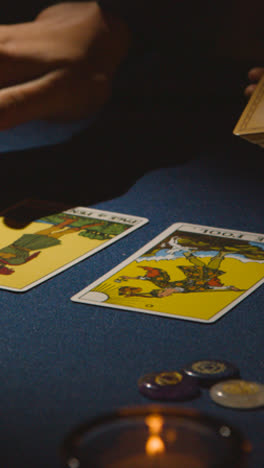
189, 271
251, 123
50, 244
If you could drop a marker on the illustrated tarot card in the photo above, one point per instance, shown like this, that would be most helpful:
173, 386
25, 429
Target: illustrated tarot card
44, 247
251, 123
189, 271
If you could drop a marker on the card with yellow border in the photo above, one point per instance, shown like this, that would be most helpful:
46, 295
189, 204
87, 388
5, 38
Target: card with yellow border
250, 125
33, 249
189, 272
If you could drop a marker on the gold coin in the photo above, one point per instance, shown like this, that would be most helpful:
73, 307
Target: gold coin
168, 378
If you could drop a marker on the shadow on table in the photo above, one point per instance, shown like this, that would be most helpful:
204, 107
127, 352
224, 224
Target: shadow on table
100, 163
105, 160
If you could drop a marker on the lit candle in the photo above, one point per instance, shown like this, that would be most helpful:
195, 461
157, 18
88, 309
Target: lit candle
162, 438
156, 455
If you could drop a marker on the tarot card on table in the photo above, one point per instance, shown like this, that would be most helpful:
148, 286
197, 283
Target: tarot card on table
50, 244
189, 271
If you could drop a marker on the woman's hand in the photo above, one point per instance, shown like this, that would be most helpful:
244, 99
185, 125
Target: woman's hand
61, 65
254, 75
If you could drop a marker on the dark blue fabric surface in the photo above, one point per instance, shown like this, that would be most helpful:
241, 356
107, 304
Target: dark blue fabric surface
62, 362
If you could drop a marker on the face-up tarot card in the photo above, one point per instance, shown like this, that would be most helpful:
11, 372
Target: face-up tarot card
47, 246
189, 271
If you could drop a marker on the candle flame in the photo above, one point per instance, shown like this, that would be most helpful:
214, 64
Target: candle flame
155, 445
155, 423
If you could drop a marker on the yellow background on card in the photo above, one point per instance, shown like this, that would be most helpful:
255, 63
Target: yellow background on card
72, 246
199, 305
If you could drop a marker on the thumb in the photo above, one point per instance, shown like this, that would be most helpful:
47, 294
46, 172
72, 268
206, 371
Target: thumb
37, 99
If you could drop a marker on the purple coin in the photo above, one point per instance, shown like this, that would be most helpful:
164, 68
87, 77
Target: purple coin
172, 385
209, 371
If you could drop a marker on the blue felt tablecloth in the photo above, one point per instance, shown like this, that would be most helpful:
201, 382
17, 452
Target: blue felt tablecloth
62, 362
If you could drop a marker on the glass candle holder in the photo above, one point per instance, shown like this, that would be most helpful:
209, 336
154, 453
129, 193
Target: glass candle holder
155, 437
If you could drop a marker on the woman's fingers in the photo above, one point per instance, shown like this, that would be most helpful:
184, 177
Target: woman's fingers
28, 101
56, 95
61, 65
249, 90
255, 74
